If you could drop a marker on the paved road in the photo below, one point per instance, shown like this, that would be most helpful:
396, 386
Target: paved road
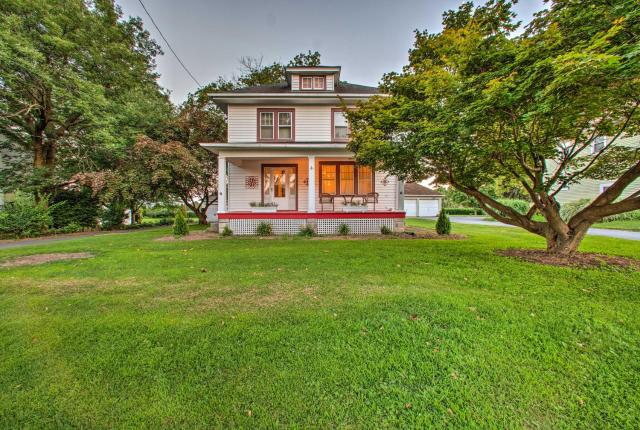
607, 232
6, 244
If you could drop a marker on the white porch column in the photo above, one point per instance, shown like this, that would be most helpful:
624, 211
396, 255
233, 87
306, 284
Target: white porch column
311, 206
222, 184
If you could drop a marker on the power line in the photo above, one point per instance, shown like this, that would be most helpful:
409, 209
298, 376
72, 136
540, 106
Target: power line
168, 44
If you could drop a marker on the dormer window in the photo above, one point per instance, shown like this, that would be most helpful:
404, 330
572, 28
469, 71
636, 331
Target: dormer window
313, 83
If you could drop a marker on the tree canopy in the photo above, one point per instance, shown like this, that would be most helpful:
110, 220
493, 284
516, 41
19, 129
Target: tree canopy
77, 85
477, 104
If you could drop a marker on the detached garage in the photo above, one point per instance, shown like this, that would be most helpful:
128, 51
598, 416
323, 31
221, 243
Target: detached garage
421, 201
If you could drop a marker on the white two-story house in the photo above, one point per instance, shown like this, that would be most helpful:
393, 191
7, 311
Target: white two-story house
285, 161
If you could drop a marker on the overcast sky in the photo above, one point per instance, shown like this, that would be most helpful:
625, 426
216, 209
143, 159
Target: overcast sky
366, 37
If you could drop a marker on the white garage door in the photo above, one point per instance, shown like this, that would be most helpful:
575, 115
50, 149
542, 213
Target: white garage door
428, 208
410, 207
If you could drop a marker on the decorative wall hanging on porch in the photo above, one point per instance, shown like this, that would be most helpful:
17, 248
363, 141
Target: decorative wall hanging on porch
250, 182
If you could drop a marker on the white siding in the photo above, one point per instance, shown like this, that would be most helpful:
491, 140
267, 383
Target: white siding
312, 123
295, 82
242, 123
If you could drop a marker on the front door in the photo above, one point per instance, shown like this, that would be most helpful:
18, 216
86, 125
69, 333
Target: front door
279, 186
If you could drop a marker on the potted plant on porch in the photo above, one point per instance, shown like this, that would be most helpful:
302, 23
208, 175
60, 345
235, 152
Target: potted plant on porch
354, 206
261, 207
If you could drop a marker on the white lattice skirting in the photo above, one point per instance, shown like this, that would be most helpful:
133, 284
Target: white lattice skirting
356, 226
243, 227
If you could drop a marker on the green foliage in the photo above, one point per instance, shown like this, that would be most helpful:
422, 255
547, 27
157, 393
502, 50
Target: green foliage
485, 110
457, 199
24, 217
568, 210
226, 231
443, 225
344, 229
78, 85
180, 226
72, 227
522, 206
307, 231
463, 211
385, 230
264, 229
112, 216
75, 207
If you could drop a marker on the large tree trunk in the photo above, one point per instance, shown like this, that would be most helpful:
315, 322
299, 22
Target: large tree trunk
565, 243
202, 217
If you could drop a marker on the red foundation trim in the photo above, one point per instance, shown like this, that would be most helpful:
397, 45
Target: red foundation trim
305, 215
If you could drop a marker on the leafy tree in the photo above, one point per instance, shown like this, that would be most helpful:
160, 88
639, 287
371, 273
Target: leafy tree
476, 104
180, 171
76, 83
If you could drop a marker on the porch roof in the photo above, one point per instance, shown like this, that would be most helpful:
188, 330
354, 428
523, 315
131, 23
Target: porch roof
217, 147
311, 215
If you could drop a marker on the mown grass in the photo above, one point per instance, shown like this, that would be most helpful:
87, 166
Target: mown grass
299, 333
631, 224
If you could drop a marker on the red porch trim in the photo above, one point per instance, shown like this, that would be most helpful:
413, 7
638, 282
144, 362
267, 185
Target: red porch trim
306, 215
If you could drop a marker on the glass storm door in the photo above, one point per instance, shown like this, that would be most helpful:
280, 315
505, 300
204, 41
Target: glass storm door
279, 186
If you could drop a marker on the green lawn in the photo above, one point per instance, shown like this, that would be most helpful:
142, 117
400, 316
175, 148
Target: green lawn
318, 333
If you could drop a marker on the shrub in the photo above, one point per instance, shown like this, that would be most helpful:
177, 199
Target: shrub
74, 207
385, 230
113, 215
521, 206
264, 229
226, 231
443, 225
180, 227
344, 229
464, 211
307, 231
570, 209
71, 228
24, 217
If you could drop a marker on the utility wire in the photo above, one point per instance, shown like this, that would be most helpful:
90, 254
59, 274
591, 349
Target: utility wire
169, 45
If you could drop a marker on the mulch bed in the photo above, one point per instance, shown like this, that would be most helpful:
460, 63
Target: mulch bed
412, 233
32, 260
584, 260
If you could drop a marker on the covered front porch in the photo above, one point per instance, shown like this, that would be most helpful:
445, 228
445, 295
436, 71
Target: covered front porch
293, 189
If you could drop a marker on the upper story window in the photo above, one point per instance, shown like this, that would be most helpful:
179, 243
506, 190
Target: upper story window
598, 144
312, 83
340, 126
275, 124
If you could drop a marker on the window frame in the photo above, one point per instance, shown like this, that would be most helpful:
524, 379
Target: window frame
276, 124
356, 183
313, 82
595, 143
333, 127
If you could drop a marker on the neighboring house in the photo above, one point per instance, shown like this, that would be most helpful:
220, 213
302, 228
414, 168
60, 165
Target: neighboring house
421, 201
287, 148
591, 188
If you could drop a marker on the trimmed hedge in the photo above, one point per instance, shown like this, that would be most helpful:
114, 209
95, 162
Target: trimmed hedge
463, 211
78, 208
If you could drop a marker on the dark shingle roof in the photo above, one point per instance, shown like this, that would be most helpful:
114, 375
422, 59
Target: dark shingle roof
413, 189
283, 87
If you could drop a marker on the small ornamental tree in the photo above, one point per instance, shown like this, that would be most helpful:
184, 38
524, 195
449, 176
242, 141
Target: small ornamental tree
477, 104
443, 225
180, 227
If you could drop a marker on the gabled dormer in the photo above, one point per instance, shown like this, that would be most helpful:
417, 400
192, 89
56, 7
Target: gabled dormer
313, 79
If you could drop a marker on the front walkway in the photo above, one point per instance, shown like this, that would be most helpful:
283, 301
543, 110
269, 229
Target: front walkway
607, 232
